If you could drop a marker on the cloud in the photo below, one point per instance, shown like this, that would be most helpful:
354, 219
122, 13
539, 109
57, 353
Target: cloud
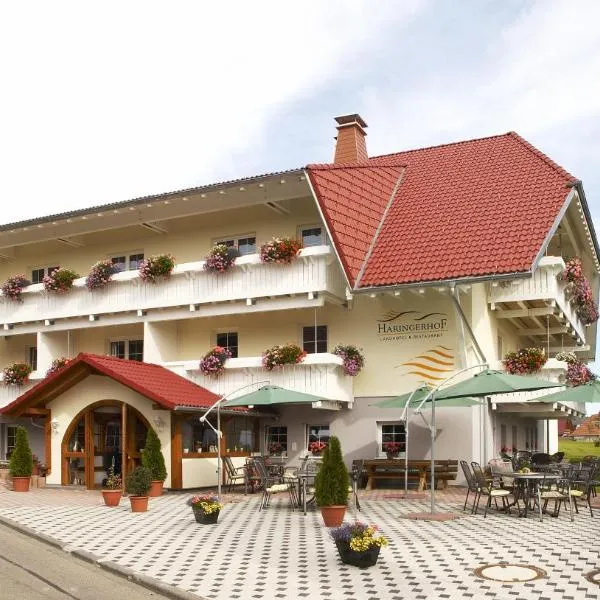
105, 102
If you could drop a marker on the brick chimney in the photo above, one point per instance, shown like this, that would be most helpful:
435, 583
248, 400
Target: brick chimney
351, 144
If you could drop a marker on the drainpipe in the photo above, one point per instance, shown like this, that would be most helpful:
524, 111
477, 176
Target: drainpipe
482, 359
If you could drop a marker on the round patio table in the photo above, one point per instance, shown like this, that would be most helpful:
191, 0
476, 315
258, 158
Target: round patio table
529, 487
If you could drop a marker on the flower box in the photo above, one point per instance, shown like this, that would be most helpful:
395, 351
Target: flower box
365, 559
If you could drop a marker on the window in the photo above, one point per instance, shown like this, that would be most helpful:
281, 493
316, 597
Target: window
229, 340
515, 438
312, 236
11, 439
38, 273
314, 339
240, 435
276, 440
393, 432
317, 433
129, 349
112, 436
245, 245
127, 261
32, 356
197, 436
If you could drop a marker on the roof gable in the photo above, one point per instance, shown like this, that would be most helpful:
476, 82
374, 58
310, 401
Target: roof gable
468, 209
156, 383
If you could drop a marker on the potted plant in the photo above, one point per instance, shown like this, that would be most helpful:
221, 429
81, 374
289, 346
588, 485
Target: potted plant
392, 449
579, 291
280, 250
21, 462
358, 544
286, 354
114, 488
154, 461
316, 448
56, 365
100, 274
353, 358
137, 485
332, 484
13, 287
213, 362
220, 259
206, 509
16, 374
155, 268
60, 280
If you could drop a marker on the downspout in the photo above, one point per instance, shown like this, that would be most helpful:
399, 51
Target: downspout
482, 358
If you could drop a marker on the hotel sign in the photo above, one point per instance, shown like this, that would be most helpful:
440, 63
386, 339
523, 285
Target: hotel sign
411, 325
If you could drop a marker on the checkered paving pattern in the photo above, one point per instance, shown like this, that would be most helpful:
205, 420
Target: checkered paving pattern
280, 553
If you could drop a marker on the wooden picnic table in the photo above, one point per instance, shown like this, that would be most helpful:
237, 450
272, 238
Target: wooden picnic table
383, 468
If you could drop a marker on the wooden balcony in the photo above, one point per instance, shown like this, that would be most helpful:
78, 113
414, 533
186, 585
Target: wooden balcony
319, 374
250, 286
538, 306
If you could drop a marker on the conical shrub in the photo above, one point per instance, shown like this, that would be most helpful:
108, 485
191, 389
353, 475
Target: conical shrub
21, 459
332, 480
152, 456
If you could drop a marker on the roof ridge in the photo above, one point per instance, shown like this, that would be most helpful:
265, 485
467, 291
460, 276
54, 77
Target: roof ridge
363, 164
460, 142
544, 157
116, 359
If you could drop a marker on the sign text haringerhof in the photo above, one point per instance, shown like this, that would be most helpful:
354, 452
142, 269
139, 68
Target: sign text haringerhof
411, 325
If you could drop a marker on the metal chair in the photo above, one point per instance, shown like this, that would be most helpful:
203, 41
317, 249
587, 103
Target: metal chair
271, 485
471, 484
233, 474
556, 490
581, 484
486, 487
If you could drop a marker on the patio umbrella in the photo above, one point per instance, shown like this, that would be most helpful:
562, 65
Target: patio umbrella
586, 392
413, 400
269, 395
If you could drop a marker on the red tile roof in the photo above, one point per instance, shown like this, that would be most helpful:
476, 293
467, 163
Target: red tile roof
468, 209
157, 383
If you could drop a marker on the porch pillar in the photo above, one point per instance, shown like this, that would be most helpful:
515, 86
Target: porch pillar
176, 452
124, 455
48, 442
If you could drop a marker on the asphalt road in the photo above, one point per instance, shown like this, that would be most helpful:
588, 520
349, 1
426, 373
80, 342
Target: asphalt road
33, 570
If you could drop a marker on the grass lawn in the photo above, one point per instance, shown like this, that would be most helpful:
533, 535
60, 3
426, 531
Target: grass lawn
575, 450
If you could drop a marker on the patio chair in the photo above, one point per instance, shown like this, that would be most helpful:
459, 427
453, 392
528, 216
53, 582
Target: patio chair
272, 485
557, 491
471, 484
581, 484
234, 474
521, 458
487, 488
501, 472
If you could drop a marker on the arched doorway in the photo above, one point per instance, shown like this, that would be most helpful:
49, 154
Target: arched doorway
106, 433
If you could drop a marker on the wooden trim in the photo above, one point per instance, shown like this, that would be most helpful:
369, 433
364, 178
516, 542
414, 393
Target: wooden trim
213, 454
48, 442
89, 450
176, 453
36, 412
124, 449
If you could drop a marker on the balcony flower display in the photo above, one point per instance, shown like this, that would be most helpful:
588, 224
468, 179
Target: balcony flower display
158, 267
219, 259
577, 372
13, 287
580, 291
280, 250
56, 365
358, 544
16, 374
524, 361
213, 362
286, 354
353, 358
60, 280
100, 274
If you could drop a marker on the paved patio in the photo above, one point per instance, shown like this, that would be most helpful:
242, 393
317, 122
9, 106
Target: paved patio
283, 554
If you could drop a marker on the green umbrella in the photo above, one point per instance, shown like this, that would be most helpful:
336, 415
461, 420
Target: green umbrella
419, 395
270, 395
587, 392
489, 382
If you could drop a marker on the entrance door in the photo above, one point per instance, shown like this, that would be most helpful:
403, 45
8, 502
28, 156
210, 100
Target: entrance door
105, 434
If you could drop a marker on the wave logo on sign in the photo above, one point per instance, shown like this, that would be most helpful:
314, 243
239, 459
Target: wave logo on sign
433, 365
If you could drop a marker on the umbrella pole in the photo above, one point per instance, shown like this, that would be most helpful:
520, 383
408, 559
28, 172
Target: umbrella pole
432, 481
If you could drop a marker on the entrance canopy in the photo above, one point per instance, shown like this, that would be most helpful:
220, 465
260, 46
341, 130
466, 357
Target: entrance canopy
167, 389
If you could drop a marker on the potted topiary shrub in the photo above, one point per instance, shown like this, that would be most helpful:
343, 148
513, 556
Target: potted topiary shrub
21, 462
114, 488
154, 461
137, 485
332, 484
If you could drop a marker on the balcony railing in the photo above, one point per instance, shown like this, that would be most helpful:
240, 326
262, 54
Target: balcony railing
314, 274
8, 393
319, 374
530, 300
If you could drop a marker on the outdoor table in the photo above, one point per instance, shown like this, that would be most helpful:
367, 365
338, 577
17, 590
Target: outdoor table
528, 484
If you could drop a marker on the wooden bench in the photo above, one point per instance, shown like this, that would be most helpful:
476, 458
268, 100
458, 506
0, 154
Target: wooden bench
418, 470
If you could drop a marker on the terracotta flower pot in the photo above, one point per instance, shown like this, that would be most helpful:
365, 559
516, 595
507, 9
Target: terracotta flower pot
333, 516
139, 503
112, 497
368, 558
156, 489
21, 484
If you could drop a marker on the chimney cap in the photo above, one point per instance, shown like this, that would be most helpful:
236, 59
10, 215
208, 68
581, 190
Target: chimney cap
349, 119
